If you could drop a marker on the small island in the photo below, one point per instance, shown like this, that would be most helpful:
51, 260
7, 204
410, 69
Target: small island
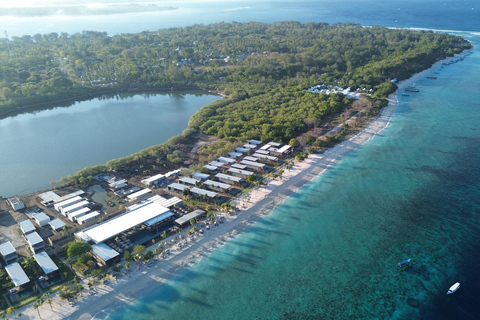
291, 92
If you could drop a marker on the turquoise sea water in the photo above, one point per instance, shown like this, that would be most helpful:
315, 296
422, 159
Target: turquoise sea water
330, 251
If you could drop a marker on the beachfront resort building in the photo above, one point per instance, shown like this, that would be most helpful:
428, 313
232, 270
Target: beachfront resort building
147, 212
8, 252
185, 220
46, 263
104, 254
18, 276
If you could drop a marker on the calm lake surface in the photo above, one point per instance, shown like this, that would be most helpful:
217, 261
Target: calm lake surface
46, 145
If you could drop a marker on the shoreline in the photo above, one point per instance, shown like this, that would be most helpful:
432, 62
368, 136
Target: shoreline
252, 206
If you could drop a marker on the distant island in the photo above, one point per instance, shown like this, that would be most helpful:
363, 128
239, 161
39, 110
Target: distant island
80, 10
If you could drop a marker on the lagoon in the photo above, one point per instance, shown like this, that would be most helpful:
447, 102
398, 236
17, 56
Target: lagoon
43, 146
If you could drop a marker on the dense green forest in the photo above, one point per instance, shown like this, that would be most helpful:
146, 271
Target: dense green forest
262, 68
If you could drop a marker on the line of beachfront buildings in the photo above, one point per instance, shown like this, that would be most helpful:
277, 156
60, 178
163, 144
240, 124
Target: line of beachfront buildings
145, 217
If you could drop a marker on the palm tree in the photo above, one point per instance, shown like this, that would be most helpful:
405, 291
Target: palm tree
49, 301
35, 306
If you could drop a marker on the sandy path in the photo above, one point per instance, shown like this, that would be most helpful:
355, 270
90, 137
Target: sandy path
260, 201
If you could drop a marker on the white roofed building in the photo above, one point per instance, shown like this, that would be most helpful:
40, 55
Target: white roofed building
27, 227
200, 176
16, 273
188, 181
151, 181
138, 214
177, 187
46, 263
218, 186
139, 195
41, 219
184, 220
57, 224
253, 165
240, 173
201, 192
88, 217
68, 202
16, 203
104, 254
227, 178
8, 252
35, 242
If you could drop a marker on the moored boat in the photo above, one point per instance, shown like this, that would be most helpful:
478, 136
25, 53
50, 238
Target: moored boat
412, 90
453, 288
403, 263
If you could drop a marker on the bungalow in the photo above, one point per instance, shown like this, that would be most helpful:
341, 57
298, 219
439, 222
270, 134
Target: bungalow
201, 192
56, 224
286, 149
265, 157
154, 180
78, 214
8, 252
226, 160
115, 184
255, 142
172, 174
16, 273
250, 147
188, 181
248, 158
104, 254
88, 217
218, 186
228, 179
265, 147
41, 219
240, 173
27, 227
216, 164
235, 155
75, 207
35, 242
211, 168
46, 263
177, 187
184, 220
242, 150
262, 151
239, 166
200, 176
68, 202
274, 144
139, 194
253, 165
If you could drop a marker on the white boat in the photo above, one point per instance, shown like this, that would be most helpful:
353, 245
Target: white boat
454, 288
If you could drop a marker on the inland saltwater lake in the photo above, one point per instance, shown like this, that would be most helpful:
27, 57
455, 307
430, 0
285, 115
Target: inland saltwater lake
43, 146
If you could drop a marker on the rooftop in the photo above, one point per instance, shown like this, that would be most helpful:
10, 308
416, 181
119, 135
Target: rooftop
112, 227
16, 273
45, 262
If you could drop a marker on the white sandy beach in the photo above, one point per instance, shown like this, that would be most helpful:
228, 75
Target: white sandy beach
260, 201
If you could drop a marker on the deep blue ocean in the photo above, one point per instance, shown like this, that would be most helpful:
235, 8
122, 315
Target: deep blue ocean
330, 251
